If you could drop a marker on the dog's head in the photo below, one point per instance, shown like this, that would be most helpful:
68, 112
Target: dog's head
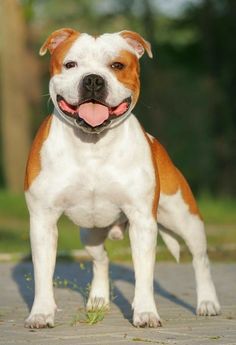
94, 80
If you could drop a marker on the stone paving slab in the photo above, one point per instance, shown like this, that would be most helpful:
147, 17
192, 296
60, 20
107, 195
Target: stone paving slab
175, 296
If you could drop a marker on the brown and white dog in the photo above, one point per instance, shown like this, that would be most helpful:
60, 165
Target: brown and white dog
92, 160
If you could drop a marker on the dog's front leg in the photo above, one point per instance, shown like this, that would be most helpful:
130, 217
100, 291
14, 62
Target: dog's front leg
143, 234
43, 237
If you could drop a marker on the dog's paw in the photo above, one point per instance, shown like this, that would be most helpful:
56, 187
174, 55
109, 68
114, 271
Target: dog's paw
146, 319
40, 321
97, 303
208, 308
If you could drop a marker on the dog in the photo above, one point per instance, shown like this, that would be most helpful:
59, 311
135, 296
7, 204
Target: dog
92, 160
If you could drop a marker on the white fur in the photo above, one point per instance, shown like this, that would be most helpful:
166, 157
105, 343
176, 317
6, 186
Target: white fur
171, 242
173, 214
104, 182
88, 180
94, 243
92, 56
98, 181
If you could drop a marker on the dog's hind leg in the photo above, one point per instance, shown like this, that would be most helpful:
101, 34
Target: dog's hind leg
93, 239
178, 212
174, 214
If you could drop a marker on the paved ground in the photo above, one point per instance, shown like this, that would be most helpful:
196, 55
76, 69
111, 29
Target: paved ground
175, 295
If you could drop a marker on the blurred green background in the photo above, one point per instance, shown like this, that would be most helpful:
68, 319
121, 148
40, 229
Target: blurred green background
188, 101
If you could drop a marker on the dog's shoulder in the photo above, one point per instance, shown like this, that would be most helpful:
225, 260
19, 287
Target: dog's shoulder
33, 166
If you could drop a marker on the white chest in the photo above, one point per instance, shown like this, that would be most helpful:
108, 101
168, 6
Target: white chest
93, 197
94, 182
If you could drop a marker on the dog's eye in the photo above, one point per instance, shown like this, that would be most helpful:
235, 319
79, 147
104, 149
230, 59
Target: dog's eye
70, 64
117, 65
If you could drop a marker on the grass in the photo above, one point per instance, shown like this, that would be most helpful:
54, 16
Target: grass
219, 214
218, 211
91, 317
143, 340
217, 337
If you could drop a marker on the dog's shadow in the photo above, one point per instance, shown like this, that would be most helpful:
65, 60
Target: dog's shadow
77, 277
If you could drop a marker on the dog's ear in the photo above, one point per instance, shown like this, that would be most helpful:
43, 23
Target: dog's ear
56, 38
137, 42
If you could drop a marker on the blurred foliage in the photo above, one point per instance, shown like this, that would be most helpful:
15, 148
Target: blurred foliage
188, 89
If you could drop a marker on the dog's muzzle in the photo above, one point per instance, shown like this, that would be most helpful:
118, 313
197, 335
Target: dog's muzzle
92, 113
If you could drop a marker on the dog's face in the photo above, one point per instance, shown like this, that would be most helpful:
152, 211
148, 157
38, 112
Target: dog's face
95, 80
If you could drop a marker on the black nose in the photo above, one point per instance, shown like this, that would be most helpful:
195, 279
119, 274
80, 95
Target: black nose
93, 82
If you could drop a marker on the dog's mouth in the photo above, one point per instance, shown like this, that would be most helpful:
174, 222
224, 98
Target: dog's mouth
92, 114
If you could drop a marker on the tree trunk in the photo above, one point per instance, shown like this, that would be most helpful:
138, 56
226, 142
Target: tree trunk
15, 108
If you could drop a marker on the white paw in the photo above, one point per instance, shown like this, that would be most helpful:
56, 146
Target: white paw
146, 319
40, 321
97, 303
208, 308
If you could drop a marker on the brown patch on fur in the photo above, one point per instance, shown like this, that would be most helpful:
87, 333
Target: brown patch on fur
56, 38
59, 54
133, 37
129, 76
33, 166
58, 44
157, 188
171, 179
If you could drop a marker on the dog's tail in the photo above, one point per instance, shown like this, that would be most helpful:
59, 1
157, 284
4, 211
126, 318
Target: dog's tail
171, 241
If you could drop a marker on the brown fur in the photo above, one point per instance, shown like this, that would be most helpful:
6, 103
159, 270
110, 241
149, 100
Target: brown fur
168, 178
129, 76
171, 179
58, 44
34, 161
59, 54
157, 187
136, 37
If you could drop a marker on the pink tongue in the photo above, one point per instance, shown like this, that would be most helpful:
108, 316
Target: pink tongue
120, 109
93, 113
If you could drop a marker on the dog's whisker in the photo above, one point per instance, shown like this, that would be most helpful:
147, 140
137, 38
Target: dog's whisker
45, 95
48, 102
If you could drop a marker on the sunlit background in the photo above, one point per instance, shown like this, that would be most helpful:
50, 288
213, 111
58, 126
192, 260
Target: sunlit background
188, 99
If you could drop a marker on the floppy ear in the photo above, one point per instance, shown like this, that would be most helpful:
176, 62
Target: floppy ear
56, 38
139, 44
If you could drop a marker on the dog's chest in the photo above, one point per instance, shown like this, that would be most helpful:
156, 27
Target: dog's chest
93, 183
93, 195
